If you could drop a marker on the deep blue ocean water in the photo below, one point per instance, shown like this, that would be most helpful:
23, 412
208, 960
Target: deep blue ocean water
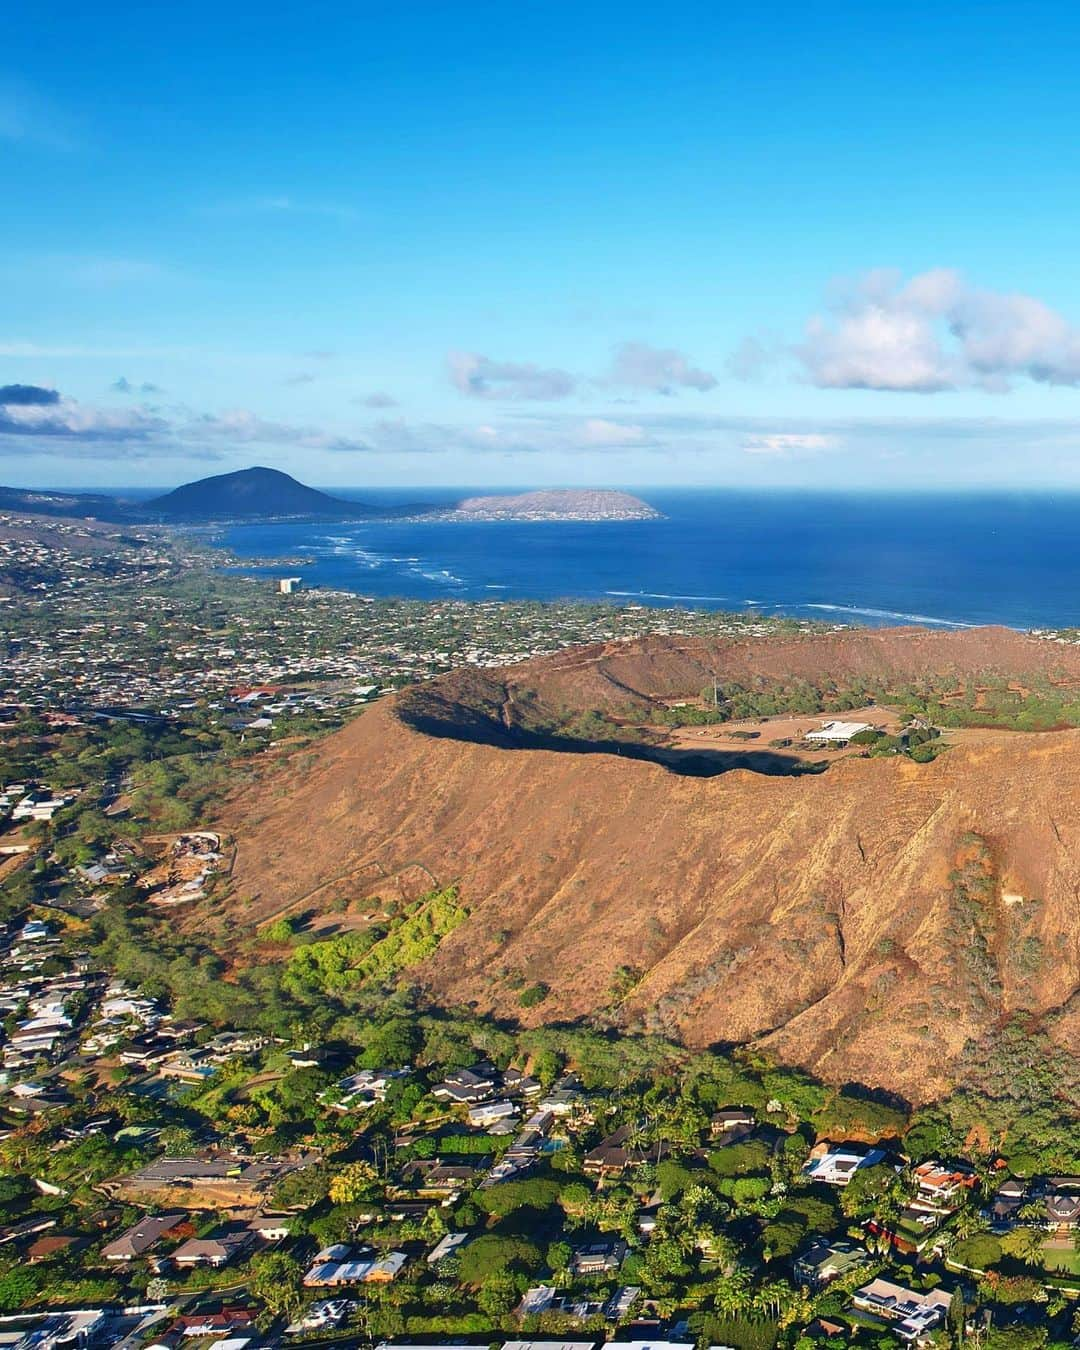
939, 559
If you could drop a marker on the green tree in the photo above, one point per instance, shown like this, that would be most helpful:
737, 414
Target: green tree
492, 1256
17, 1287
356, 1181
558, 1255
276, 1279
867, 1188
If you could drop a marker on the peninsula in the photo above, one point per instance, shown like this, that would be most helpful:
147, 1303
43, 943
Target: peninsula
556, 504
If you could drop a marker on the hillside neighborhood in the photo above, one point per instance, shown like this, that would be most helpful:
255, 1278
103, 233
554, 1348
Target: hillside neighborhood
266, 1135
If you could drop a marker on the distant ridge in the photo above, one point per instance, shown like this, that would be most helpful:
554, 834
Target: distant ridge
255, 492
259, 493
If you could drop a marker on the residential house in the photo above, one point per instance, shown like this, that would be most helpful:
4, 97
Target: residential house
26, 1228
613, 1155
446, 1246
653, 1345
44, 1248
215, 1251
1004, 1209
836, 1164
189, 1066
553, 1345
469, 1086
597, 1258
143, 1237
342, 1268
566, 1098
942, 1183
732, 1124
520, 1084
912, 1315
223, 1322
1063, 1202
487, 1113
363, 1089
621, 1301
825, 1261
538, 1299
53, 1330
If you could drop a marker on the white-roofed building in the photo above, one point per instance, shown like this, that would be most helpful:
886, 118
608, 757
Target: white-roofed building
837, 733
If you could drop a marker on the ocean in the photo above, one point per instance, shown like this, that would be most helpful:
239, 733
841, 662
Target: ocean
949, 560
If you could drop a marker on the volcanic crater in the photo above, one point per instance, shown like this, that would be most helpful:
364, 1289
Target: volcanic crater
866, 922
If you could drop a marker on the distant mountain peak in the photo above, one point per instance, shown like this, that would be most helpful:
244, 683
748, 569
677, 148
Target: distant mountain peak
256, 492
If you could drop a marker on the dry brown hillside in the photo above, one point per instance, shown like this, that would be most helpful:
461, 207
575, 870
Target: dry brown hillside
864, 922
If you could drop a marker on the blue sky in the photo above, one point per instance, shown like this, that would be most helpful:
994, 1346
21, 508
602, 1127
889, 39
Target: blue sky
536, 244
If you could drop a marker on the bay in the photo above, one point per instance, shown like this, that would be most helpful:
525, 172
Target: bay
939, 559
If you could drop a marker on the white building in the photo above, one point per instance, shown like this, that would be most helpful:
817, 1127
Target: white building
837, 733
836, 1166
912, 1314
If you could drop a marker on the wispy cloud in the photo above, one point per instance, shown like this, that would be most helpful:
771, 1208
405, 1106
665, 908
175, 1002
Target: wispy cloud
47, 351
28, 117
635, 366
478, 376
124, 386
89, 272
603, 433
525, 436
378, 399
281, 205
239, 426
789, 444
656, 370
34, 418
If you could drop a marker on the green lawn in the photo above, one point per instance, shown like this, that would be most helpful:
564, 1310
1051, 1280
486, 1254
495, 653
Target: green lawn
1062, 1259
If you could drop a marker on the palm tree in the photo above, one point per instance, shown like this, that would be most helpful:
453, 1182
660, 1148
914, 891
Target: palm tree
967, 1223
732, 1295
725, 1250
1028, 1245
770, 1297
799, 1308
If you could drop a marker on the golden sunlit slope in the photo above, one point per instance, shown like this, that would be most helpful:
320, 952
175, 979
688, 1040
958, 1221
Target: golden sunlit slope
864, 922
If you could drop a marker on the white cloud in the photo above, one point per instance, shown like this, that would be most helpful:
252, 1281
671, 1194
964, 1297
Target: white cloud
599, 432
68, 420
239, 426
656, 370
35, 417
479, 376
936, 332
788, 444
